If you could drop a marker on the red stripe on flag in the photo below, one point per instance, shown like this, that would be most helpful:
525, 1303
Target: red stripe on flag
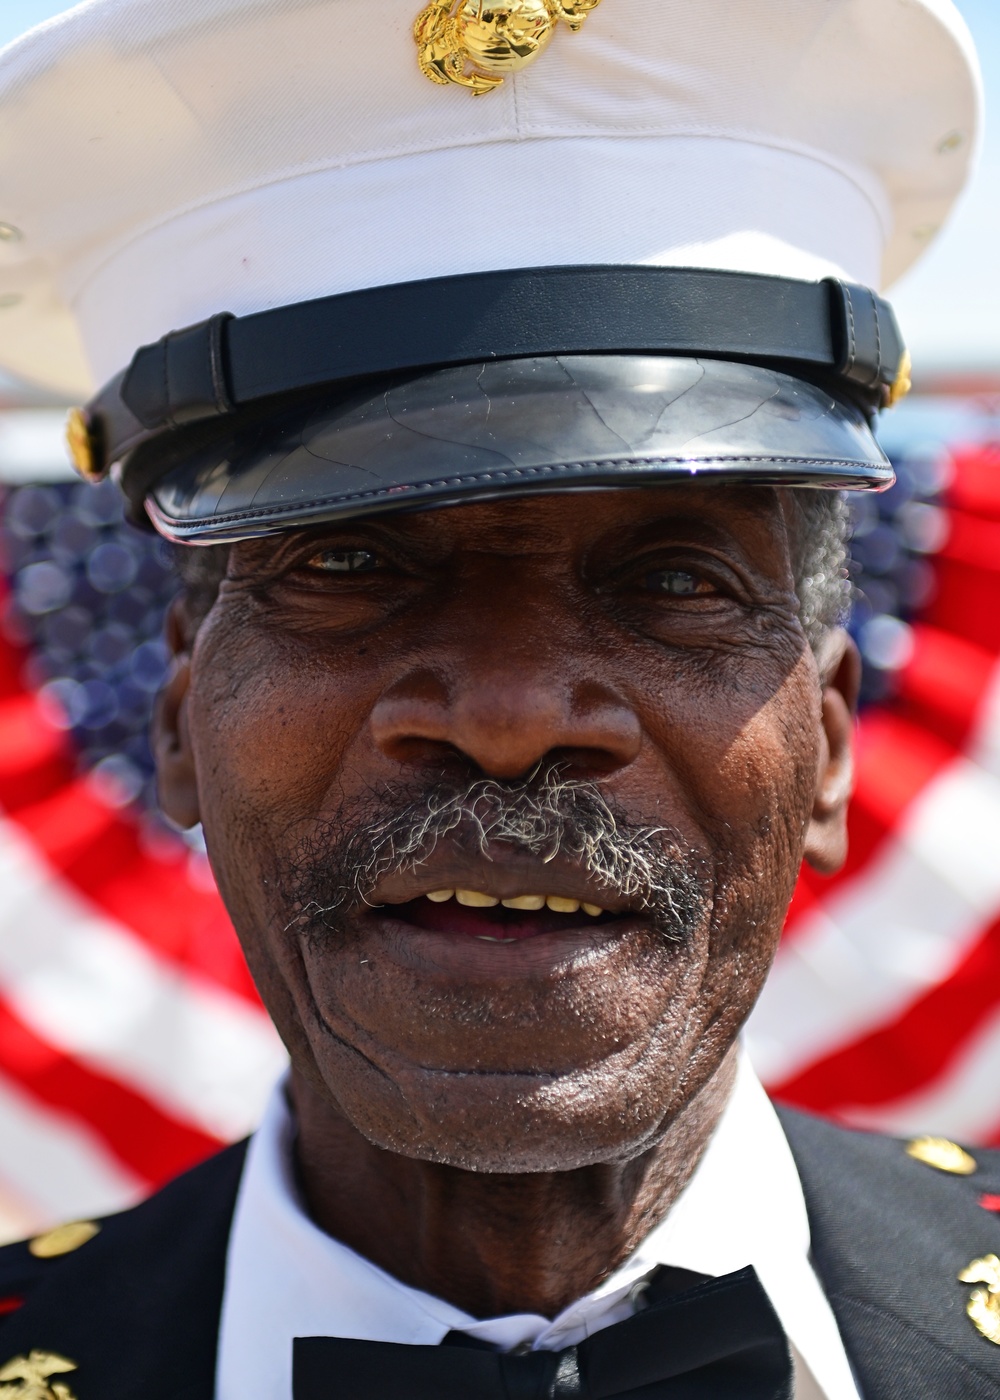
943, 686
967, 601
34, 757
974, 541
91, 846
100, 853
911, 1051
895, 759
967, 571
151, 1143
100, 850
155, 897
72, 828
975, 486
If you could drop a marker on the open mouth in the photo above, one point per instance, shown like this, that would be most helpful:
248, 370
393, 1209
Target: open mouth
473, 914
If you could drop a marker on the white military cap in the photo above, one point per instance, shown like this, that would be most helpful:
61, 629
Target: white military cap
163, 164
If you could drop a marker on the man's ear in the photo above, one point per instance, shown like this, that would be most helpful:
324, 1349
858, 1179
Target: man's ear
840, 677
175, 770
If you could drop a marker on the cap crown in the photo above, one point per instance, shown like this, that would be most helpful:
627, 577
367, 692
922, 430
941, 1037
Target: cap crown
161, 163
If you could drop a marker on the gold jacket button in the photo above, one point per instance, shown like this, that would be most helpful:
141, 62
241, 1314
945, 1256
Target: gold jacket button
944, 1155
63, 1239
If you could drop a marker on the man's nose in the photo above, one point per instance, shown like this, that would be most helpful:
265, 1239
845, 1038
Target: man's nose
505, 719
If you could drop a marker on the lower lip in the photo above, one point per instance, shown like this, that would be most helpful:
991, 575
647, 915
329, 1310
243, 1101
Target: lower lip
478, 957
493, 925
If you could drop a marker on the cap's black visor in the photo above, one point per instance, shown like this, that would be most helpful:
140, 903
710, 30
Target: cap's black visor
514, 427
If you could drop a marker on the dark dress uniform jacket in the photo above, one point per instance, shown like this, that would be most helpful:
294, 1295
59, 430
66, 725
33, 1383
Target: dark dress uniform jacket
137, 1308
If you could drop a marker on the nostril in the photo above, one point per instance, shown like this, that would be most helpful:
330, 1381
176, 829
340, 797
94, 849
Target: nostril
584, 763
417, 751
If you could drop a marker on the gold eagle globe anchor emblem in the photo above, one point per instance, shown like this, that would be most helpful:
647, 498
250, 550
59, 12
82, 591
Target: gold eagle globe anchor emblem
476, 44
28, 1377
984, 1304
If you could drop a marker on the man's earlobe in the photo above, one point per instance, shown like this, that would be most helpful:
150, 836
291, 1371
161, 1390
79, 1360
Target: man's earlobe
840, 676
175, 770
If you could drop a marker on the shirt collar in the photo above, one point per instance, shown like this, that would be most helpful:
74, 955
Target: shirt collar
286, 1278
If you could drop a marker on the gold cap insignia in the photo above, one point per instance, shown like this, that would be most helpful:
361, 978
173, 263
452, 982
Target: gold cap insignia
476, 44
82, 443
944, 1155
903, 382
984, 1305
27, 1377
63, 1239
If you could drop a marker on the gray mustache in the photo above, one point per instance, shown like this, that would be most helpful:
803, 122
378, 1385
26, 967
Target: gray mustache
544, 815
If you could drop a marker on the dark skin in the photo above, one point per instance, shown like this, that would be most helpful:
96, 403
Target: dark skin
501, 1124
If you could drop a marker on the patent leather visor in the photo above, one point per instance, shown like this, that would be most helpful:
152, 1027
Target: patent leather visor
509, 428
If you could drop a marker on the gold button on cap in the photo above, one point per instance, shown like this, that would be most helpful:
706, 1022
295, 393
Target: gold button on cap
82, 446
63, 1239
944, 1155
903, 382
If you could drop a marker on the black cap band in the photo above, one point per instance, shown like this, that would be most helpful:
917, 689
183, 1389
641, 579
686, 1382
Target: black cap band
224, 366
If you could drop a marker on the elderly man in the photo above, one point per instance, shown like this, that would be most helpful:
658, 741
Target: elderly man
511, 686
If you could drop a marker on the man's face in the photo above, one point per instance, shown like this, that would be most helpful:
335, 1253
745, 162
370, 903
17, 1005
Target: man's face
628, 671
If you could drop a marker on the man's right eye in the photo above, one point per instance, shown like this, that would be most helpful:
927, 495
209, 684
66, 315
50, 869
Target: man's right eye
678, 583
344, 561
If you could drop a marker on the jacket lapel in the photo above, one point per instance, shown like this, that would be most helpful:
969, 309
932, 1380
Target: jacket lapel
889, 1238
137, 1309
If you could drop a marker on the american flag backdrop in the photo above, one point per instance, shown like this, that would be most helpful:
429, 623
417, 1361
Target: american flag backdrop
132, 1043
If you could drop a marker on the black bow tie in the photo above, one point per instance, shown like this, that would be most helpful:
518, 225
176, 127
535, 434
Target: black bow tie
718, 1341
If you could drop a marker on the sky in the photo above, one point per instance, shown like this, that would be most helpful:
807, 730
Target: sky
949, 306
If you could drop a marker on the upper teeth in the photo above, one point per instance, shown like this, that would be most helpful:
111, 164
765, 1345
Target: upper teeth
527, 901
475, 899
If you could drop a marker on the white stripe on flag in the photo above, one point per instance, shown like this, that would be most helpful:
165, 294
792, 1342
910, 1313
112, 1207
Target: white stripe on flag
961, 1103
884, 938
56, 1167
17, 1220
92, 988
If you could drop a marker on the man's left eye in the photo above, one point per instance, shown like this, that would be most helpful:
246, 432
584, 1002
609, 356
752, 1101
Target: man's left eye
678, 583
344, 561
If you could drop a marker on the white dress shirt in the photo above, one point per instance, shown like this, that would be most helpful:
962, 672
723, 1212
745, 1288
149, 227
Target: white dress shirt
285, 1278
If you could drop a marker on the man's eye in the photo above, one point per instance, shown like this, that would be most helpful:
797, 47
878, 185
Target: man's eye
678, 583
344, 561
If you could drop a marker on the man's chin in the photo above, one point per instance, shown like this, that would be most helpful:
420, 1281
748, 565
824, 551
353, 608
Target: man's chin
510, 1124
